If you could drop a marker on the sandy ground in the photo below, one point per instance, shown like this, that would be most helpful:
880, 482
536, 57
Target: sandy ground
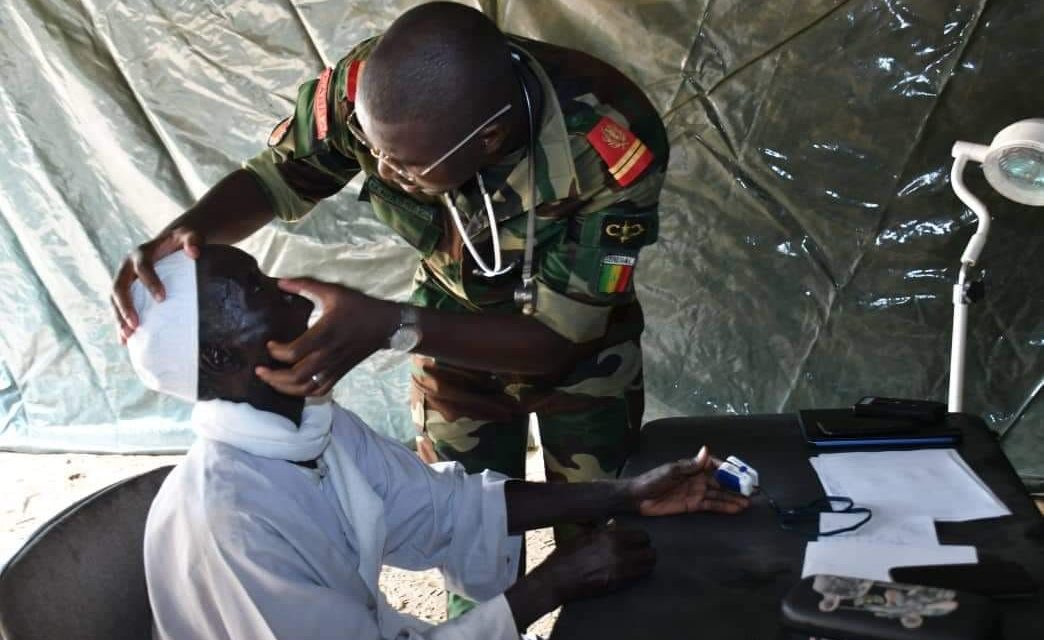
37, 486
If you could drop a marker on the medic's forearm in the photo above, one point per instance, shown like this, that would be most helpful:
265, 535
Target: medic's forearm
505, 343
231, 210
533, 505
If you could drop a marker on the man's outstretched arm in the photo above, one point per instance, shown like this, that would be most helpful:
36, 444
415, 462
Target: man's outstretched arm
354, 325
534, 505
679, 487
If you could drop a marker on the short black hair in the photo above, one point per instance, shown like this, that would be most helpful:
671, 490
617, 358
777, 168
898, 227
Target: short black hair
217, 326
442, 62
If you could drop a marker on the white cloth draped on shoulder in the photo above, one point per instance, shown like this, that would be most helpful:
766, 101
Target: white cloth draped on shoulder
242, 543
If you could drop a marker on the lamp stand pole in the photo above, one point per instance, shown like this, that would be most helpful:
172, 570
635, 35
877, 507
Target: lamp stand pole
962, 291
955, 403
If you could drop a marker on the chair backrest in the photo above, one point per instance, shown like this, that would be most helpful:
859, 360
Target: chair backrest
82, 575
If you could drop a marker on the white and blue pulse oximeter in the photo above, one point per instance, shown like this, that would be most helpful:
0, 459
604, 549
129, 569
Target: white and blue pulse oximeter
736, 475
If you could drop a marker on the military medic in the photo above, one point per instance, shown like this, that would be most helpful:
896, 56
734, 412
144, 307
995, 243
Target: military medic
527, 177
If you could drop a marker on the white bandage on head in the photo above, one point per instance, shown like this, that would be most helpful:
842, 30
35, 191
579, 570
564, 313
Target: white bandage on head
164, 349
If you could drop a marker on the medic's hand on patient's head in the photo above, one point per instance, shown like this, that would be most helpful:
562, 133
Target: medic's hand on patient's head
207, 335
352, 327
139, 268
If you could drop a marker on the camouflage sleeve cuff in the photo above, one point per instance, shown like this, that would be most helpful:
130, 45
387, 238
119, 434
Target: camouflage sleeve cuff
286, 204
573, 320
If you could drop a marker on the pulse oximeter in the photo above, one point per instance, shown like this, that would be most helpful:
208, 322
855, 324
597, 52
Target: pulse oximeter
736, 475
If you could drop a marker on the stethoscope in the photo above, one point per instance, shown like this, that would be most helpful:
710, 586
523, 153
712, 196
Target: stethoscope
524, 294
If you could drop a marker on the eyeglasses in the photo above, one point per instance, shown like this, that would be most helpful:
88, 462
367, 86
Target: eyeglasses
356, 129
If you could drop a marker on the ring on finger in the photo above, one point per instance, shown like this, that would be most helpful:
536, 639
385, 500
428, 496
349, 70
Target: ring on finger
318, 378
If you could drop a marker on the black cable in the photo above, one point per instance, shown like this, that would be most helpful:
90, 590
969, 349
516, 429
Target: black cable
794, 518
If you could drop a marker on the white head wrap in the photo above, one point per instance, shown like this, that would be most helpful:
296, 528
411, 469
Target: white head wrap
164, 349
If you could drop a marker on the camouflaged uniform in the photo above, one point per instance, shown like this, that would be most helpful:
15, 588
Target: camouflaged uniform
600, 162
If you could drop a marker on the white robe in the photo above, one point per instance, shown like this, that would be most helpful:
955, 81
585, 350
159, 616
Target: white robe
240, 546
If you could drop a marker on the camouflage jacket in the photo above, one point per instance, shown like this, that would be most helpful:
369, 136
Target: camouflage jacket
600, 162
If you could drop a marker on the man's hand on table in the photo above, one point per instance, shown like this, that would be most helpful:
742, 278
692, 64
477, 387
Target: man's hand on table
607, 559
597, 563
682, 487
591, 565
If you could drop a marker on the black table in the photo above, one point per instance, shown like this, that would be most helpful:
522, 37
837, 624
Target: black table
722, 577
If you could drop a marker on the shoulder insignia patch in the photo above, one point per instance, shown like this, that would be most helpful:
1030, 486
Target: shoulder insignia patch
351, 79
623, 231
280, 130
626, 155
319, 108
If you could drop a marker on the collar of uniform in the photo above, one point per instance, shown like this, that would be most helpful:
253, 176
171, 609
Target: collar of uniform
556, 173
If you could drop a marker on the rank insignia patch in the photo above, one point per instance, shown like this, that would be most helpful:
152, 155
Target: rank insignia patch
626, 155
319, 108
351, 79
622, 231
279, 132
615, 276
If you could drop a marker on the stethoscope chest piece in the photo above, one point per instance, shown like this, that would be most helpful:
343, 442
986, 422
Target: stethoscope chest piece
525, 297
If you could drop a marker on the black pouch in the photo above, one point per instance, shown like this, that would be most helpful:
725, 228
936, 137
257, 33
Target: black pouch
842, 608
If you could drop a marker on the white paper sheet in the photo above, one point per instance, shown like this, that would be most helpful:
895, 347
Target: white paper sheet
925, 482
917, 531
872, 561
827, 481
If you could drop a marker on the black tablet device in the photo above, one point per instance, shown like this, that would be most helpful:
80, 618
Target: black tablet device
840, 428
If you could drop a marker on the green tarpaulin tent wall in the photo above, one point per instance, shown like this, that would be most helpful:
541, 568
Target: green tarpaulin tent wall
809, 236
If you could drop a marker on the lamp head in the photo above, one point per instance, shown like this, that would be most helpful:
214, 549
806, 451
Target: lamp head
1014, 165
1013, 162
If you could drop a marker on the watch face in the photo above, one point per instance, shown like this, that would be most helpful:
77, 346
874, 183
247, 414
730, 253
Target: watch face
404, 339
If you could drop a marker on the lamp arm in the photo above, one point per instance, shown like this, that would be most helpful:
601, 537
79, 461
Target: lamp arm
978, 239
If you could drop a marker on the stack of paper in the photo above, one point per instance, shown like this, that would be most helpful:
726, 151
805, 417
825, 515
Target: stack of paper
925, 482
908, 491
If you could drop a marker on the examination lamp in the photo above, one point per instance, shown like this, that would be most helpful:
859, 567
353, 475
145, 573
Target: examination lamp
1014, 167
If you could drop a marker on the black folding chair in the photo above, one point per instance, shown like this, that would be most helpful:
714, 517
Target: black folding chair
82, 575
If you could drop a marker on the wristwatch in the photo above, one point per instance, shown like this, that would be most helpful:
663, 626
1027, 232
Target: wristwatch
407, 335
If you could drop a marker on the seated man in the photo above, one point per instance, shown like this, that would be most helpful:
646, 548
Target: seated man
277, 522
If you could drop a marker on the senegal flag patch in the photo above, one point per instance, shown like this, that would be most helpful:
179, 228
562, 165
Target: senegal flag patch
616, 271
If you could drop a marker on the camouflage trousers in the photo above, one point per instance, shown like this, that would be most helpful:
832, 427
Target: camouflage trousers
482, 421
588, 418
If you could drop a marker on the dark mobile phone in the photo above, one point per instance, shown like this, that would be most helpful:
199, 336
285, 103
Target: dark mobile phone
879, 407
